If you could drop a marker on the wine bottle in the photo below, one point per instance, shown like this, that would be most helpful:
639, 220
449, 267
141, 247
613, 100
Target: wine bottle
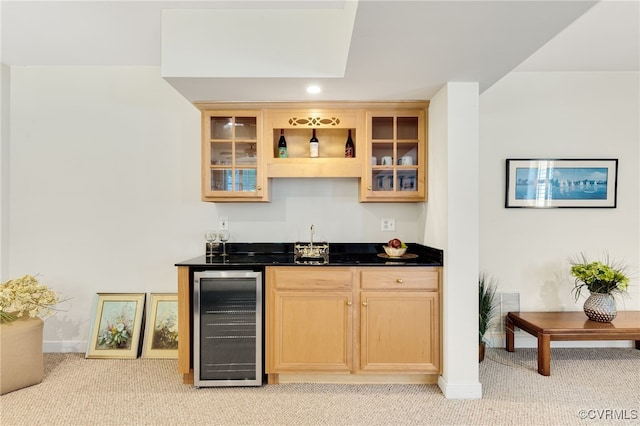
313, 145
349, 148
282, 145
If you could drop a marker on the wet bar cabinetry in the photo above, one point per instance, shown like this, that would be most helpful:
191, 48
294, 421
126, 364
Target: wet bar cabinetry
332, 127
354, 322
231, 156
362, 315
395, 143
240, 155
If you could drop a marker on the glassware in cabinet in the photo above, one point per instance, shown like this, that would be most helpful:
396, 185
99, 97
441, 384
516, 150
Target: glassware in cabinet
231, 152
396, 145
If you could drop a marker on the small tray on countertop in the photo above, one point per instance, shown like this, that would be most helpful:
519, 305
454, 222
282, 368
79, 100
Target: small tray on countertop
404, 256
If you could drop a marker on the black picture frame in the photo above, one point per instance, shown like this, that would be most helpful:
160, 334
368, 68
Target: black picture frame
561, 183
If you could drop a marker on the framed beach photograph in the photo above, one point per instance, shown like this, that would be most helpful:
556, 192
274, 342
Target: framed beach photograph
551, 183
116, 326
161, 330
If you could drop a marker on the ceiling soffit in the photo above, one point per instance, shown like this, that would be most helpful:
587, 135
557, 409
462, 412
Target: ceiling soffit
257, 43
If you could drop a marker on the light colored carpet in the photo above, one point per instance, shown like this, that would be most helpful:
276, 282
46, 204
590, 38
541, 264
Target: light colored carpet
601, 384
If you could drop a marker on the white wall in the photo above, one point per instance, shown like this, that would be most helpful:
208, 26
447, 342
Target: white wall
105, 191
104, 187
5, 125
558, 115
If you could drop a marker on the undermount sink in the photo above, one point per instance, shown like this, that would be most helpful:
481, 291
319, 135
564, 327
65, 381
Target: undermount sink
315, 253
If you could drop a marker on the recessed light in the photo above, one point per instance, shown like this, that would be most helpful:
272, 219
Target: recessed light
313, 89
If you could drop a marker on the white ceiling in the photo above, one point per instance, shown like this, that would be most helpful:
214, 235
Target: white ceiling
398, 49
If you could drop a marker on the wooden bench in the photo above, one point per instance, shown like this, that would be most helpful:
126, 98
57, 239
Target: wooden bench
548, 326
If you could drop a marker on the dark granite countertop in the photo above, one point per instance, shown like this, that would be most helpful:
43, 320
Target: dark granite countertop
340, 254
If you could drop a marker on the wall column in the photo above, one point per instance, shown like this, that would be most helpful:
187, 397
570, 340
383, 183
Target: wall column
452, 223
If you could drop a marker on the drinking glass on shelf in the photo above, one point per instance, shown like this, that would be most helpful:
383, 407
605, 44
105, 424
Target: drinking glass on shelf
224, 237
210, 237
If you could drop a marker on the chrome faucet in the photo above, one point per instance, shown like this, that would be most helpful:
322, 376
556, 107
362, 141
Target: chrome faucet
311, 240
308, 253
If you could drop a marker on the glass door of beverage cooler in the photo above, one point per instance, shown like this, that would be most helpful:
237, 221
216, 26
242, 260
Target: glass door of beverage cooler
227, 322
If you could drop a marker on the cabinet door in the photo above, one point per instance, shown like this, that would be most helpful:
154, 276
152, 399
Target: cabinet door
310, 331
399, 331
231, 162
395, 168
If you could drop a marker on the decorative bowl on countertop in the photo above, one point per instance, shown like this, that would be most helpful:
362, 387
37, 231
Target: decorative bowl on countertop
394, 252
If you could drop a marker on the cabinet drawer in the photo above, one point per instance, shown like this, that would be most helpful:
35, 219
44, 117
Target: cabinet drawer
310, 278
400, 278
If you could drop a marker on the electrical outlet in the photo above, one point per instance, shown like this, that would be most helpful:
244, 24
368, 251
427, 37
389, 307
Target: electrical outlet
223, 223
388, 224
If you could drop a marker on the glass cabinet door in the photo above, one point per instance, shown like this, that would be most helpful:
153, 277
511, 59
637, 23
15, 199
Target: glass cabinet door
396, 143
231, 153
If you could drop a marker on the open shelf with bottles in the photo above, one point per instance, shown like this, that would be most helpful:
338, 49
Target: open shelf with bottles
332, 130
331, 142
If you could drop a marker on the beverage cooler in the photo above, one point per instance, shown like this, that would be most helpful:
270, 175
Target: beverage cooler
227, 322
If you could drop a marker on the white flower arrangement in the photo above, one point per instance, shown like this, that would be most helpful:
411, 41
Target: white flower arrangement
26, 296
117, 333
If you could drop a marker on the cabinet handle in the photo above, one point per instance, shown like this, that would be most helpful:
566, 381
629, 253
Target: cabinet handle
349, 303
259, 188
364, 303
369, 187
399, 280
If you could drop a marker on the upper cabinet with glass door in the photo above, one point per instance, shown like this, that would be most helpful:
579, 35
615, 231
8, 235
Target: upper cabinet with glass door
231, 156
396, 149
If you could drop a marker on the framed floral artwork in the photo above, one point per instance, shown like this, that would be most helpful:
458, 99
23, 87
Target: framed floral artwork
161, 329
116, 325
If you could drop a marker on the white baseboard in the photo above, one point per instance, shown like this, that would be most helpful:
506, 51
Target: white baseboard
460, 390
64, 346
522, 340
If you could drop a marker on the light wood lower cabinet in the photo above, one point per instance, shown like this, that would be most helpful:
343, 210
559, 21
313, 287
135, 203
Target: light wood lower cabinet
398, 331
400, 319
349, 320
313, 331
309, 319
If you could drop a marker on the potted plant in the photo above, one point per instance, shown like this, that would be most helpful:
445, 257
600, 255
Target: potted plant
23, 304
26, 296
487, 288
604, 280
